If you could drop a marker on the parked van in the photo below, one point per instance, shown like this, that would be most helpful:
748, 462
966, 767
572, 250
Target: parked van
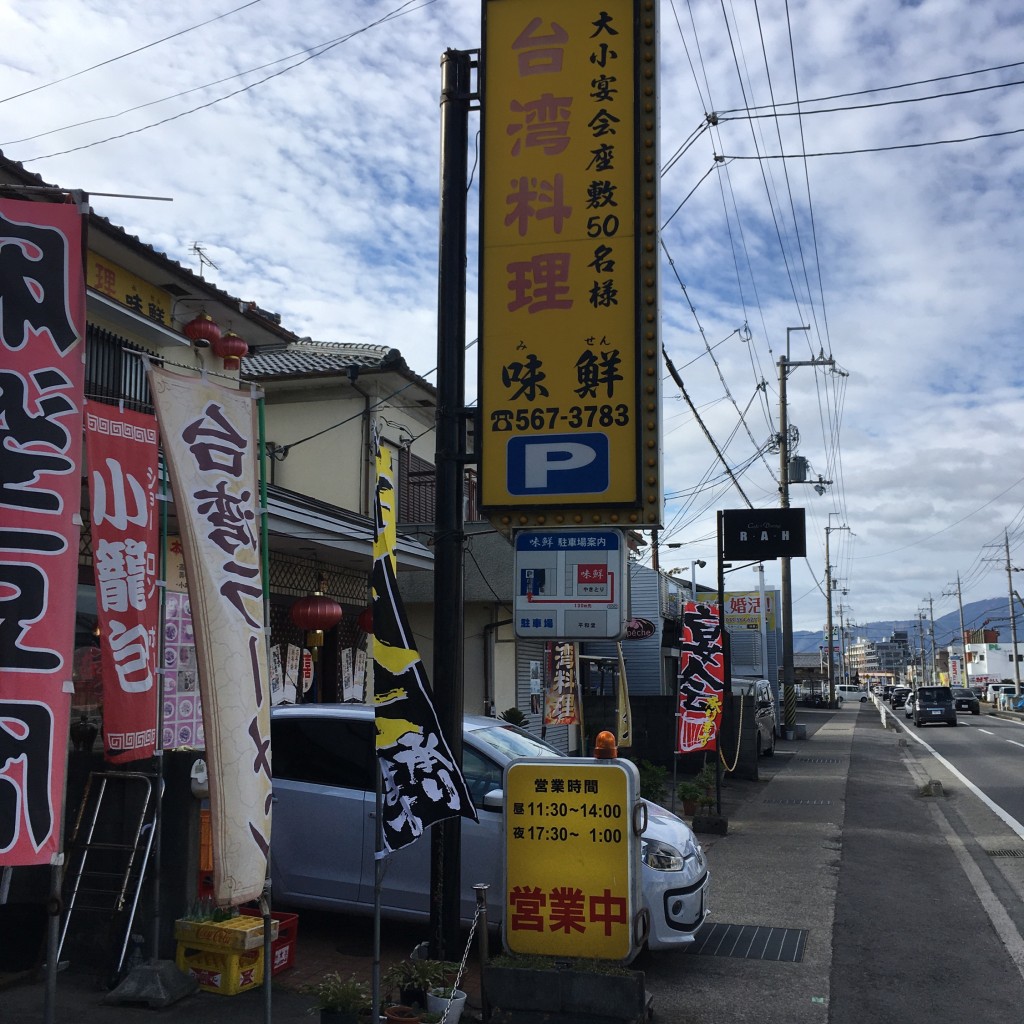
994, 689
760, 690
849, 692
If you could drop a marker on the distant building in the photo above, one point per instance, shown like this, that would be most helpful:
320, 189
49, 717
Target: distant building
881, 660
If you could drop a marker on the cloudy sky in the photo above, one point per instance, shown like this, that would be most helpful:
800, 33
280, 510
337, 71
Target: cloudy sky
299, 141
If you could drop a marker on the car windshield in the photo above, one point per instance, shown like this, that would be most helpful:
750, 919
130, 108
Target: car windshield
513, 742
933, 696
961, 692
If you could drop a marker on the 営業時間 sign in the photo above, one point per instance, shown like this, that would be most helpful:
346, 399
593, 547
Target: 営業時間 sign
572, 858
569, 345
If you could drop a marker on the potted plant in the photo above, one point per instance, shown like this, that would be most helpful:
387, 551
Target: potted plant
454, 999
401, 1012
690, 793
706, 777
409, 980
339, 1000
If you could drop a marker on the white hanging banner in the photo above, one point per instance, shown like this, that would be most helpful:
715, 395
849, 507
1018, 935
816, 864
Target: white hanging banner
209, 435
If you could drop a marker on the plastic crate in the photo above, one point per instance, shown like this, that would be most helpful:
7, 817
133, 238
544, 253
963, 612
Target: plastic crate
235, 934
224, 972
282, 948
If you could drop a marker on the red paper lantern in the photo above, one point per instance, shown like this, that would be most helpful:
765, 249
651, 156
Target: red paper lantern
315, 613
230, 347
365, 620
202, 330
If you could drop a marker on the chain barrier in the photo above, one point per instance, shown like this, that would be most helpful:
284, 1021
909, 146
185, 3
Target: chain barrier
739, 734
462, 966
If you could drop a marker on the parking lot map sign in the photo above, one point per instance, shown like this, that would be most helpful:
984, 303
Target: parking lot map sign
569, 345
571, 584
572, 858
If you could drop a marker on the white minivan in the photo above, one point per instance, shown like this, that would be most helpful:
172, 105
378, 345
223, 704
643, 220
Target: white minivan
849, 692
995, 689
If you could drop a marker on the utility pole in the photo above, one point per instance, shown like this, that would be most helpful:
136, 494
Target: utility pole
921, 647
450, 459
828, 611
844, 669
963, 633
1013, 616
931, 634
788, 677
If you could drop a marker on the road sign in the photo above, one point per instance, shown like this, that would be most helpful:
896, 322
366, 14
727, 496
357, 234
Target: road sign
572, 857
571, 584
570, 355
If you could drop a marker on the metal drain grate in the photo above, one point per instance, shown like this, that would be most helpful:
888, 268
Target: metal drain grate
803, 803
819, 760
1005, 853
750, 942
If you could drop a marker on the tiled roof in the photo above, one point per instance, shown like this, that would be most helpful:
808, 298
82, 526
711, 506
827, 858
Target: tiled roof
309, 358
250, 310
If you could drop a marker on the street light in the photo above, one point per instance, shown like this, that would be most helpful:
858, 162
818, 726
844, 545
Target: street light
693, 575
694, 564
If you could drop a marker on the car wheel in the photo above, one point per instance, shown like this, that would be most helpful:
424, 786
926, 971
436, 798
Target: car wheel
977, 711
954, 722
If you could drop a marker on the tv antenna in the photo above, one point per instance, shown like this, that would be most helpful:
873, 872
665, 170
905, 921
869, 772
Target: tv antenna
204, 260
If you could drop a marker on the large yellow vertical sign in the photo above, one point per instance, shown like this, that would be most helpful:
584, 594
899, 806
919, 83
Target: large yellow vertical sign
572, 858
569, 346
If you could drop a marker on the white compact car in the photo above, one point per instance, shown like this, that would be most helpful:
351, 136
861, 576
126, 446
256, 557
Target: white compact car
324, 835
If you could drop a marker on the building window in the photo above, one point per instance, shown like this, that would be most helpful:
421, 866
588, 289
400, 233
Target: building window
112, 373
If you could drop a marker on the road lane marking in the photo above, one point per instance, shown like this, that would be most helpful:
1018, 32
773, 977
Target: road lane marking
1015, 743
987, 732
1001, 920
1003, 816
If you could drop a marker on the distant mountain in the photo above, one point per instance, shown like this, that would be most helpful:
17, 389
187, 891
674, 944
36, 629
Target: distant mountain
993, 613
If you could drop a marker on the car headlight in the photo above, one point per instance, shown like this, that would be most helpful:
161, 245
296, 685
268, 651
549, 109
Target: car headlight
660, 856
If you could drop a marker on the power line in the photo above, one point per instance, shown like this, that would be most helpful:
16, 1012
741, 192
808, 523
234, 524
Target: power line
390, 16
869, 106
878, 149
130, 53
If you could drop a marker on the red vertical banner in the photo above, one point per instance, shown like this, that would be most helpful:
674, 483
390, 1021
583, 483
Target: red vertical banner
121, 450
42, 346
560, 692
701, 679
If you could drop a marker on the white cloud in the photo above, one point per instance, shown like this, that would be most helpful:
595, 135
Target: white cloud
316, 193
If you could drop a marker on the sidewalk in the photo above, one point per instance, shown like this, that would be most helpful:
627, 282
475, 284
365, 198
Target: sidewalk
777, 868
760, 871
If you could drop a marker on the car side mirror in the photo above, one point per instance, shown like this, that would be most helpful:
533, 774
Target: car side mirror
494, 800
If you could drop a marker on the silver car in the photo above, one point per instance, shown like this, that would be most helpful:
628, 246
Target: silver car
324, 835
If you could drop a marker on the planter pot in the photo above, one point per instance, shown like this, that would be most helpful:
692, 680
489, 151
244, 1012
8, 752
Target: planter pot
398, 1012
339, 1017
436, 1003
690, 807
584, 996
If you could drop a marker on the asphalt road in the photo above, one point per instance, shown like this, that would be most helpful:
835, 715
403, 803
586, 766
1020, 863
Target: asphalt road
923, 912
912, 915
987, 751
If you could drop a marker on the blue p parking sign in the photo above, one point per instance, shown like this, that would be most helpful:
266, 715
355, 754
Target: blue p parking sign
553, 464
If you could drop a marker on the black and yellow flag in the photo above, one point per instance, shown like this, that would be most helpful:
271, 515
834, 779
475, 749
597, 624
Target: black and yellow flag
422, 782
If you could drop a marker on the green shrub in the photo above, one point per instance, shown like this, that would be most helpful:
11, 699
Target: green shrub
653, 781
